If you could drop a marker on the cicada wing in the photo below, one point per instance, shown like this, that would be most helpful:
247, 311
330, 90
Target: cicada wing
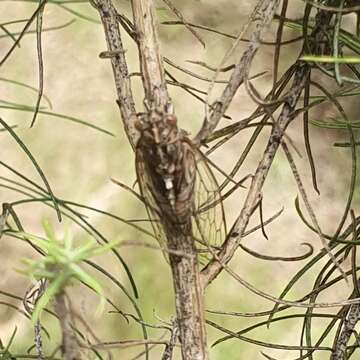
149, 201
209, 225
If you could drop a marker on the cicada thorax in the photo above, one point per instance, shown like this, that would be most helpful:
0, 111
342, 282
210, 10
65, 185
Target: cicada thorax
169, 162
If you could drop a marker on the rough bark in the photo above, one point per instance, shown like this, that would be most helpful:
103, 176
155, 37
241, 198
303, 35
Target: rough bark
188, 297
69, 344
116, 53
185, 271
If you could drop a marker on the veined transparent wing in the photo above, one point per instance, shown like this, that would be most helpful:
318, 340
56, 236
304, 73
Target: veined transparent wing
209, 225
208, 219
149, 201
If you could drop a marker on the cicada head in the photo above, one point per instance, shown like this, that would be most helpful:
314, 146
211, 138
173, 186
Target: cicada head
160, 138
163, 148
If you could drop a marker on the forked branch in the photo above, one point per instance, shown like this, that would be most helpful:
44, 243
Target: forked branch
212, 270
261, 17
302, 70
155, 126
175, 168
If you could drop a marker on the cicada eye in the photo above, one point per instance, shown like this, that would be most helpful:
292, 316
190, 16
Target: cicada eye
171, 148
139, 125
171, 120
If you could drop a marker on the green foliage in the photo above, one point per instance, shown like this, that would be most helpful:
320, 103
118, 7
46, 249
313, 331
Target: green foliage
60, 265
332, 59
5, 350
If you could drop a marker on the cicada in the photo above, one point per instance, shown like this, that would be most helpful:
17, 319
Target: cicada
178, 187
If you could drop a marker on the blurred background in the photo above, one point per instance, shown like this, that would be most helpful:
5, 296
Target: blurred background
79, 162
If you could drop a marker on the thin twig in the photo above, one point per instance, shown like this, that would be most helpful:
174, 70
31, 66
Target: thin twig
39, 21
214, 267
182, 19
262, 16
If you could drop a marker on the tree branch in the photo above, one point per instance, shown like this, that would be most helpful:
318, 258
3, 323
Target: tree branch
116, 52
185, 269
151, 62
69, 345
214, 267
262, 17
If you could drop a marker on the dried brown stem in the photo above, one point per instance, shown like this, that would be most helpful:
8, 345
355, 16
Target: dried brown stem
214, 267
151, 62
69, 345
181, 17
288, 113
188, 298
262, 16
118, 61
352, 317
128, 343
185, 270
168, 353
38, 341
310, 209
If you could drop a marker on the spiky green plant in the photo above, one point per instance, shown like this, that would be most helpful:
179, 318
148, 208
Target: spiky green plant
60, 265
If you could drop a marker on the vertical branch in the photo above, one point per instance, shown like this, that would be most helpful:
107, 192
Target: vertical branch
185, 269
188, 296
69, 345
151, 62
116, 53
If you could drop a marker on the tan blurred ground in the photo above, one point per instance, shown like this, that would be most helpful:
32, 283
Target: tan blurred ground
79, 163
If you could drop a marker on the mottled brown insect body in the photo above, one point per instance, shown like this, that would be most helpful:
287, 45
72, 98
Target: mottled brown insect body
168, 164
